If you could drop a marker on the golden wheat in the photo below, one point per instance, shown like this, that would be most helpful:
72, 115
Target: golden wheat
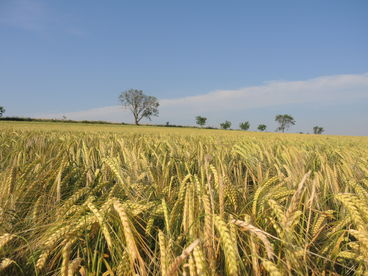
122, 200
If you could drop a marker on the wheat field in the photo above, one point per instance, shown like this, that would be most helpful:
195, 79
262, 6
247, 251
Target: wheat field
121, 200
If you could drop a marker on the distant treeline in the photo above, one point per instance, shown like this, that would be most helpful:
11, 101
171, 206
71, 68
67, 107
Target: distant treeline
28, 119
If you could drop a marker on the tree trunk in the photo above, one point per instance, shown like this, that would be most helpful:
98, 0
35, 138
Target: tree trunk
136, 120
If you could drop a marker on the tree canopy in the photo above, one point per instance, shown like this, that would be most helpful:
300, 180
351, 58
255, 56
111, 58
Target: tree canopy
201, 120
2, 111
141, 105
318, 130
244, 125
285, 121
225, 125
262, 127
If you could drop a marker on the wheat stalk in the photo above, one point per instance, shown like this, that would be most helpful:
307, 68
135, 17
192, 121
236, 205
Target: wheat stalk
174, 266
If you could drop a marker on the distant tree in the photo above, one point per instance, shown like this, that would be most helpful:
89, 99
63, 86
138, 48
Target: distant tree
262, 127
201, 121
141, 105
244, 125
2, 111
285, 121
318, 130
225, 125
167, 123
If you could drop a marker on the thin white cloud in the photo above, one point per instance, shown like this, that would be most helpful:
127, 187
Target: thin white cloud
326, 90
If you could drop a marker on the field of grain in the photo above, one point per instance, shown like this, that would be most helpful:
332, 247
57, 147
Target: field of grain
120, 200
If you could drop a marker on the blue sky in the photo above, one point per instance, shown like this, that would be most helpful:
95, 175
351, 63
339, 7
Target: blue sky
75, 57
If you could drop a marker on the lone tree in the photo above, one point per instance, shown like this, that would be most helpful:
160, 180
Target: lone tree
225, 125
262, 127
244, 125
141, 105
318, 130
2, 111
285, 121
201, 121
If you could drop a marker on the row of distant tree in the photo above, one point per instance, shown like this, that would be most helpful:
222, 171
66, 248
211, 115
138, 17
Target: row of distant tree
143, 106
285, 121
